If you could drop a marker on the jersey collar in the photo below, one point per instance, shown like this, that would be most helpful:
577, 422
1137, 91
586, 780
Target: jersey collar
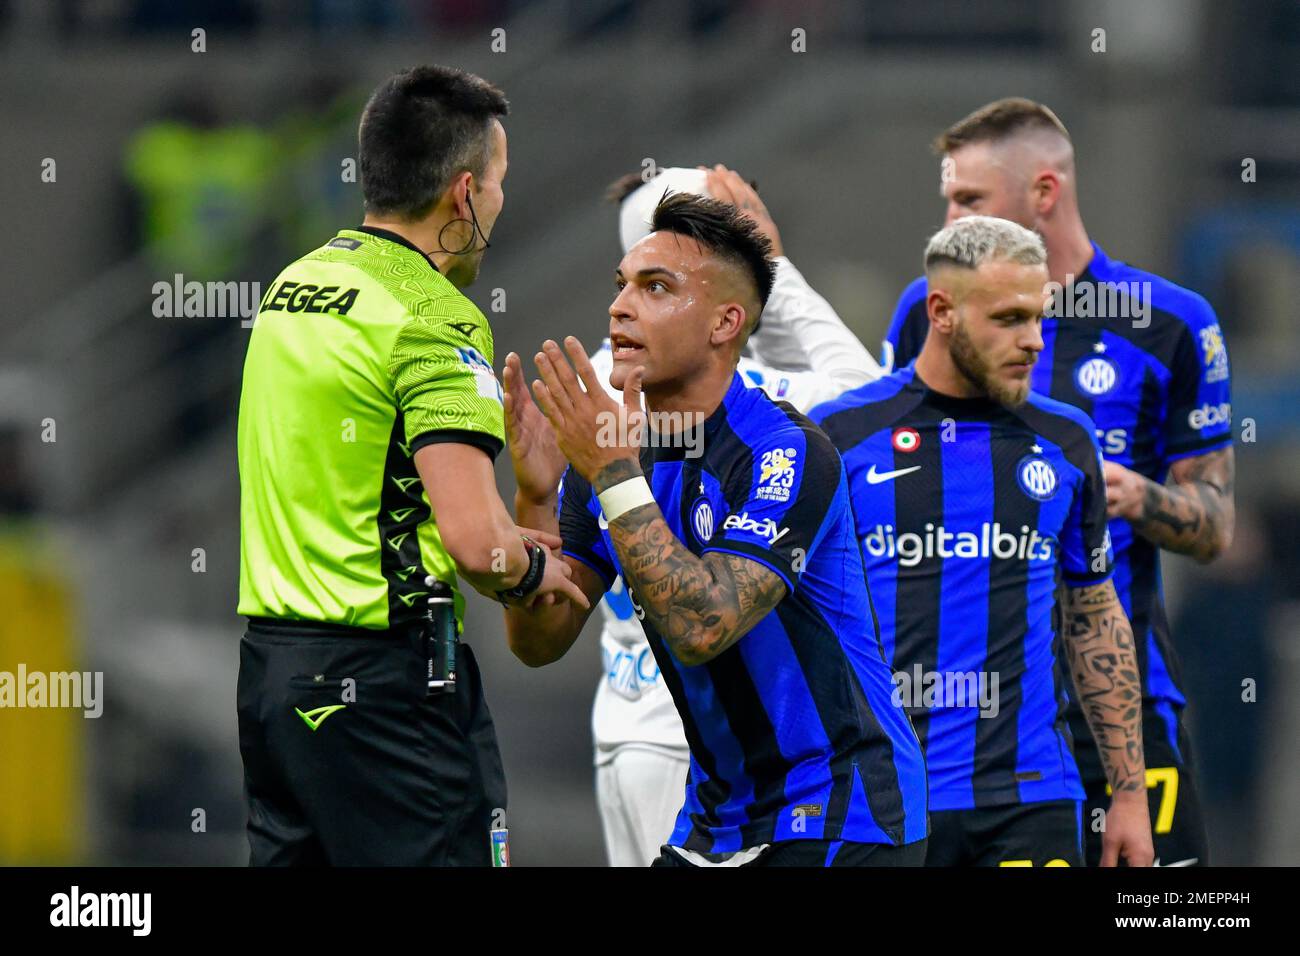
975, 406
400, 240
736, 391
1098, 266
675, 451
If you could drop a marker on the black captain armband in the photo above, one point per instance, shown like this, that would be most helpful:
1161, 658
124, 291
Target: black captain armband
532, 578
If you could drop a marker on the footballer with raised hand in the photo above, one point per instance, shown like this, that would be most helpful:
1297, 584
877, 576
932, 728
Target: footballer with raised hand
741, 561
802, 353
1146, 360
972, 494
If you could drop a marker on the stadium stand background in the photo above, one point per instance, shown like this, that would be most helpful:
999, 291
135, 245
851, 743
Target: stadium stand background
227, 164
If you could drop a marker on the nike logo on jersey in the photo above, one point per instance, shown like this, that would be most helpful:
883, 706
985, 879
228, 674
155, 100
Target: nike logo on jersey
879, 477
1190, 861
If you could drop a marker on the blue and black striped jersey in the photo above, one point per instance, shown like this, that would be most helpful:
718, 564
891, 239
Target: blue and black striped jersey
968, 514
1145, 359
792, 730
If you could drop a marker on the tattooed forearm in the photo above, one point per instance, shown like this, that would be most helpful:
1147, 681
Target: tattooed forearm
1103, 663
616, 472
700, 605
1194, 516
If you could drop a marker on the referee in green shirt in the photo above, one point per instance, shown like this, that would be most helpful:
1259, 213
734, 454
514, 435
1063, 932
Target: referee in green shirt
368, 424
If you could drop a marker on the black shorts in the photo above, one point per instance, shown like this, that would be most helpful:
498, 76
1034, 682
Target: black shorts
819, 853
1177, 824
348, 762
1018, 834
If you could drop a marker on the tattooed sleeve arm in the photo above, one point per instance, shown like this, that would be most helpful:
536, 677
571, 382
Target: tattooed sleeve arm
1103, 662
1195, 514
700, 605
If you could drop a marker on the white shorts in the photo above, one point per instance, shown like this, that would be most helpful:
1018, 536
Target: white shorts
640, 793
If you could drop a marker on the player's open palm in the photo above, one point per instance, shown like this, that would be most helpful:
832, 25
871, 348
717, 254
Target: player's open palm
1128, 833
537, 459
592, 430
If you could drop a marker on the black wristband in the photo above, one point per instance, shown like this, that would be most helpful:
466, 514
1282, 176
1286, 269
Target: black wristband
532, 578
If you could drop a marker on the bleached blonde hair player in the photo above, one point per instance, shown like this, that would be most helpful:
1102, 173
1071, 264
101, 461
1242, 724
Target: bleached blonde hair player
1147, 361
801, 353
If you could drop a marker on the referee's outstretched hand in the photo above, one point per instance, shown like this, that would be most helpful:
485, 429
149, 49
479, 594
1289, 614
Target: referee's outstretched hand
554, 545
557, 581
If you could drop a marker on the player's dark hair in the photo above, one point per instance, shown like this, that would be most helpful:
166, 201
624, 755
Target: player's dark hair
623, 187
421, 128
996, 121
723, 230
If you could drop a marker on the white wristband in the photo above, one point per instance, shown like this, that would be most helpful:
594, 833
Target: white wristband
621, 498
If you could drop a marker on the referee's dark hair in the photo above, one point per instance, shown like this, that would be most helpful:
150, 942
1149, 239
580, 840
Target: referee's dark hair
421, 128
722, 229
996, 121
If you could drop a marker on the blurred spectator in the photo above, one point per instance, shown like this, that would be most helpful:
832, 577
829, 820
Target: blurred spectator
197, 181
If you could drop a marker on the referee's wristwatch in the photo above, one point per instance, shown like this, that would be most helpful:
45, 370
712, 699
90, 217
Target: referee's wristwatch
532, 578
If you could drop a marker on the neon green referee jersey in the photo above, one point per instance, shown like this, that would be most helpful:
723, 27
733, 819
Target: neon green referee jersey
362, 353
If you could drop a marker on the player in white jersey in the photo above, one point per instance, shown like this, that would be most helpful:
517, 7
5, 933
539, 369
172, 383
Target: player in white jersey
802, 354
